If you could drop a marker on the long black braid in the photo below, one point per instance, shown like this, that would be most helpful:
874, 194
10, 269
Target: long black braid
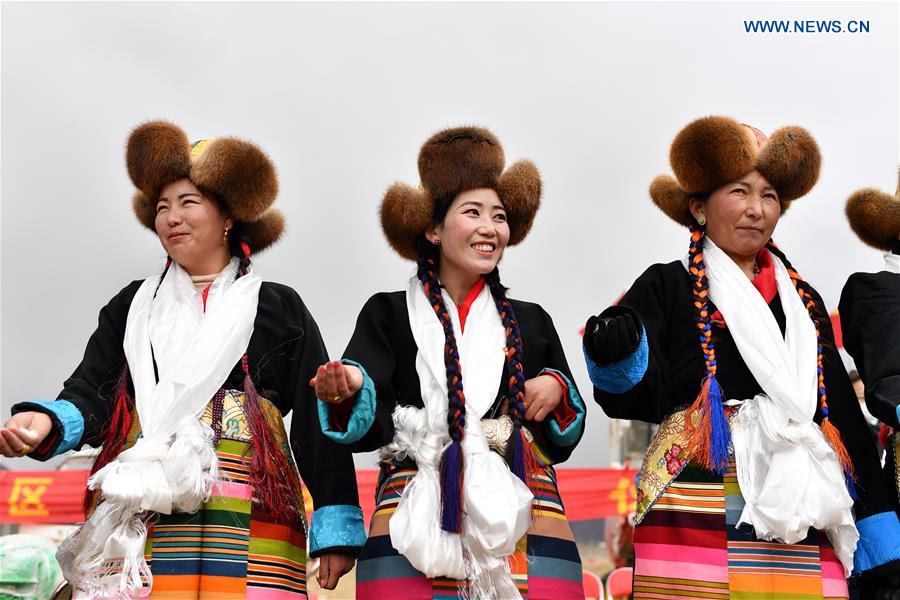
518, 453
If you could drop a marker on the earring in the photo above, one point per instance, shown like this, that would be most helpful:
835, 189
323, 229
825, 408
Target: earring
225, 237
437, 241
701, 220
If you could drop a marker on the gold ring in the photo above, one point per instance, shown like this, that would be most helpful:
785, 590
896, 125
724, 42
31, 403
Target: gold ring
336, 398
26, 449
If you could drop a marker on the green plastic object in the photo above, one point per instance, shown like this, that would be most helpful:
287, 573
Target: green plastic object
28, 568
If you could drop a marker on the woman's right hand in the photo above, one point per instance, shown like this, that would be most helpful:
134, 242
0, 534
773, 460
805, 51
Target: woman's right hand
23, 433
335, 382
612, 335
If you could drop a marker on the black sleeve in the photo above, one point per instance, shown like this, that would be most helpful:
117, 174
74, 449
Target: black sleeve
649, 399
326, 467
371, 346
845, 414
870, 322
556, 359
91, 387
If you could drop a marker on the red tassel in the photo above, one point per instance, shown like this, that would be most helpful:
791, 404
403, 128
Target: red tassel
837, 443
699, 434
533, 466
272, 477
523, 462
884, 435
114, 434
711, 438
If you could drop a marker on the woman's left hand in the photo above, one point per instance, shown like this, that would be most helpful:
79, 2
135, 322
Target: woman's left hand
332, 567
542, 395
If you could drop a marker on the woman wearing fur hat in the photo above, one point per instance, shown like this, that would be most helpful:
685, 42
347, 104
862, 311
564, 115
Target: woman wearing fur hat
870, 320
743, 489
466, 392
183, 385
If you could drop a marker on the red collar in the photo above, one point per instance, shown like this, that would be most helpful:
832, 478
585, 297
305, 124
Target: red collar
764, 282
205, 296
463, 309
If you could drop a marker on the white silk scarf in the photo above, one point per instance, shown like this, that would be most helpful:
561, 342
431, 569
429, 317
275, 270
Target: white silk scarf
891, 262
789, 475
173, 465
497, 506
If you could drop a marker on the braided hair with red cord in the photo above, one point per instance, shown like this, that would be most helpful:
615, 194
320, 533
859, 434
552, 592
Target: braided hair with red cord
519, 454
705, 419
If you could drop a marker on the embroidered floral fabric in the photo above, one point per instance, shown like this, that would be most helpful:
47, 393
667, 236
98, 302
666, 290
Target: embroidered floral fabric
665, 458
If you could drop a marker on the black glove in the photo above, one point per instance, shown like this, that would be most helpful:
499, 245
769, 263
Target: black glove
612, 335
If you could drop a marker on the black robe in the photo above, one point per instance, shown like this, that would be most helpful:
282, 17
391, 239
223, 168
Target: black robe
662, 298
870, 322
284, 352
383, 344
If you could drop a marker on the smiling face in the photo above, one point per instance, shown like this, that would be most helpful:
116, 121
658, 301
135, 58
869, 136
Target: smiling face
191, 227
741, 215
473, 235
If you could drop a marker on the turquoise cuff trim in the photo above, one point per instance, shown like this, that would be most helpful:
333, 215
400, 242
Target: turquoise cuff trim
65, 416
879, 541
573, 431
898, 413
361, 417
336, 526
622, 375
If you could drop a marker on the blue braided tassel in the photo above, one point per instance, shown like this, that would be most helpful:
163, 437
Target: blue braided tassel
719, 432
515, 454
451, 488
851, 486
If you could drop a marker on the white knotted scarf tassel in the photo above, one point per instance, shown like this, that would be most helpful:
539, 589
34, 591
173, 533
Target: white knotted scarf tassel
149, 476
173, 467
113, 530
416, 530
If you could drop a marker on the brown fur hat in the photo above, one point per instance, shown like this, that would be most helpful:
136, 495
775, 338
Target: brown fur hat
453, 161
875, 217
712, 151
234, 172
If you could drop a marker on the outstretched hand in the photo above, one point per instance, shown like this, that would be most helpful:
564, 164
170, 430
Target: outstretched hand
23, 433
335, 382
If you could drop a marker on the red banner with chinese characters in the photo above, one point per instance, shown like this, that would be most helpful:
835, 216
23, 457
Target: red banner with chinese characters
586, 493
42, 496
56, 496
597, 493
